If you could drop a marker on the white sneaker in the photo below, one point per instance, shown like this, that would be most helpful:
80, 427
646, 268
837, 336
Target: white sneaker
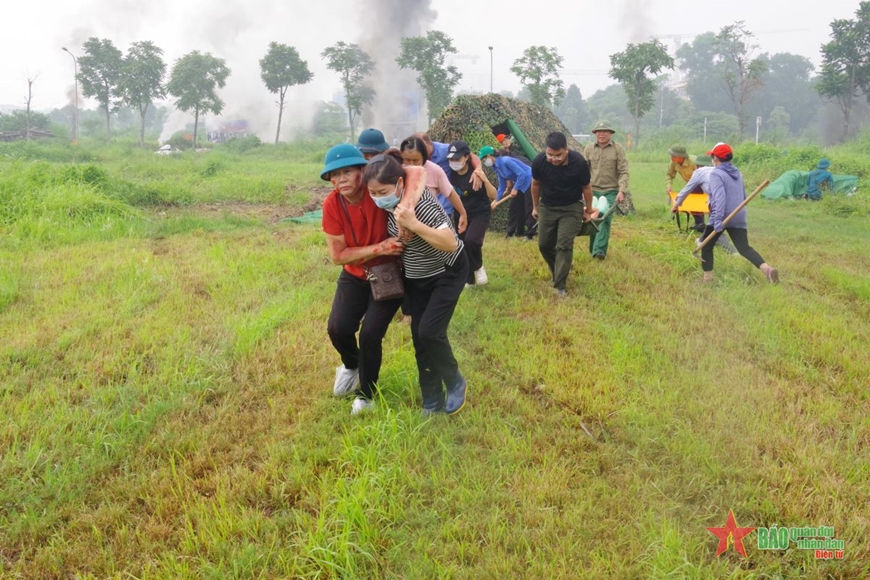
480, 276
361, 405
346, 381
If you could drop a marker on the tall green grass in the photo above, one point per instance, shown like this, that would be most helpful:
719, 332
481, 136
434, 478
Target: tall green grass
169, 413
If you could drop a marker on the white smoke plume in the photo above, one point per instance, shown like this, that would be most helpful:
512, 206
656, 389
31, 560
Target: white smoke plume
399, 102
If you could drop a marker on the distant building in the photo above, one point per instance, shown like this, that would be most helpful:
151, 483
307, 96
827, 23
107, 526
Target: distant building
227, 131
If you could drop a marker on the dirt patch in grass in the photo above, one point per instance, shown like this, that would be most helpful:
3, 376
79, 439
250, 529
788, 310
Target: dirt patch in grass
267, 212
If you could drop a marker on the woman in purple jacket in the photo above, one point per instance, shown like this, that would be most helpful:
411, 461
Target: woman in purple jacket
726, 193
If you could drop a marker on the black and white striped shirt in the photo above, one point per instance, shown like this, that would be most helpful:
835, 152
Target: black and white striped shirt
419, 258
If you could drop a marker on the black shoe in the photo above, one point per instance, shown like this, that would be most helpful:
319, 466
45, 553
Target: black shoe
699, 227
598, 256
456, 396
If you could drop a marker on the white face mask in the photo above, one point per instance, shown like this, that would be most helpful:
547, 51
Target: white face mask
488, 162
456, 165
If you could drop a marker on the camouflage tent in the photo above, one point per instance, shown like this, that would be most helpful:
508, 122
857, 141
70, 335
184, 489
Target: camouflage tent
477, 119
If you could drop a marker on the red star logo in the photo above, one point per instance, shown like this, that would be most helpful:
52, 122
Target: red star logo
731, 534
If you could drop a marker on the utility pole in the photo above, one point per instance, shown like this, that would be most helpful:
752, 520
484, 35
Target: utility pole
490, 69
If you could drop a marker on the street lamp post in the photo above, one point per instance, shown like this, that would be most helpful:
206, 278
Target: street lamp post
490, 69
76, 79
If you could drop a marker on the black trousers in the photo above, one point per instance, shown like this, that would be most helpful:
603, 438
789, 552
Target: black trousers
353, 303
740, 238
433, 301
473, 239
520, 220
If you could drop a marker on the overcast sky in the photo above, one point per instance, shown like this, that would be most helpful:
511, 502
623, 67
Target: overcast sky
584, 33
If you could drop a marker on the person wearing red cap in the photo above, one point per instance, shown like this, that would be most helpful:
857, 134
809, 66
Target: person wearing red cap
726, 191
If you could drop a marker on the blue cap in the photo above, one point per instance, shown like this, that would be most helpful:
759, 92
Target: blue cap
344, 155
372, 141
824, 163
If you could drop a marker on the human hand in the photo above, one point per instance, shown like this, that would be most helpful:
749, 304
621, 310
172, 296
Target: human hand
588, 213
390, 247
463, 224
620, 197
477, 178
535, 212
513, 193
405, 217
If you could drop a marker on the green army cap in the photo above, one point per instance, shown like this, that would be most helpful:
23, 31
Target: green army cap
703, 161
603, 126
678, 151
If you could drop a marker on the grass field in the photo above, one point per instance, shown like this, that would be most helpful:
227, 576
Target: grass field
165, 392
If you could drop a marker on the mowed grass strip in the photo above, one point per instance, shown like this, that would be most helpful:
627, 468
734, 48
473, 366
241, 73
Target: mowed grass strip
168, 409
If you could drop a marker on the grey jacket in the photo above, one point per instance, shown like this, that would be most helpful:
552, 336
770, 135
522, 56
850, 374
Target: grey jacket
726, 192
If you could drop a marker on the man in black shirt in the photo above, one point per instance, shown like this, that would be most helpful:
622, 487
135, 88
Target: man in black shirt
562, 200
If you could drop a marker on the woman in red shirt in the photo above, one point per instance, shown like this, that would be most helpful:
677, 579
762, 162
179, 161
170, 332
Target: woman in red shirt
356, 236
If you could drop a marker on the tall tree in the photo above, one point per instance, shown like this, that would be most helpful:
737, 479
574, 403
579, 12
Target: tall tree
426, 55
846, 63
779, 123
538, 70
194, 81
703, 80
353, 64
30, 80
281, 69
141, 79
740, 72
787, 83
573, 111
633, 68
99, 72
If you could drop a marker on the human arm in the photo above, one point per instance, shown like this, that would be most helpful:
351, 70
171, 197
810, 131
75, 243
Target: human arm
456, 202
441, 238
692, 186
536, 196
523, 176
487, 184
475, 165
622, 172
587, 197
669, 176
340, 253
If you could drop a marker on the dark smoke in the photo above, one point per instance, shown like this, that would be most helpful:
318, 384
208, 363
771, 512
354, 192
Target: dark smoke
385, 23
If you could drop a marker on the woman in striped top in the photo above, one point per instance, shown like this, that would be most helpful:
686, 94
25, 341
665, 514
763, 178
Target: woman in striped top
436, 268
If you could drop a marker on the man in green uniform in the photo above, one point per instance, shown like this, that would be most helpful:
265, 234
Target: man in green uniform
684, 165
609, 168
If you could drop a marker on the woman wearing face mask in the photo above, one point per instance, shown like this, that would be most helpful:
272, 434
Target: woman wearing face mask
435, 272
356, 236
519, 175
477, 205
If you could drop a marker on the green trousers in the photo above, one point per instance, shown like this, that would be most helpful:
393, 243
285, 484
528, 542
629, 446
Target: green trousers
598, 241
557, 228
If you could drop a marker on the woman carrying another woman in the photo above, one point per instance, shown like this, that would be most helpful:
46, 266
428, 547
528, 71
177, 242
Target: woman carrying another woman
356, 236
436, 269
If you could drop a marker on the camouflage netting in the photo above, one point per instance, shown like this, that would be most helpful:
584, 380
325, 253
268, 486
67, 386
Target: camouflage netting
477, 119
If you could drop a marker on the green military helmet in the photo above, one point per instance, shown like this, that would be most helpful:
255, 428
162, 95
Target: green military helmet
678, 151
703, 161
603, 126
